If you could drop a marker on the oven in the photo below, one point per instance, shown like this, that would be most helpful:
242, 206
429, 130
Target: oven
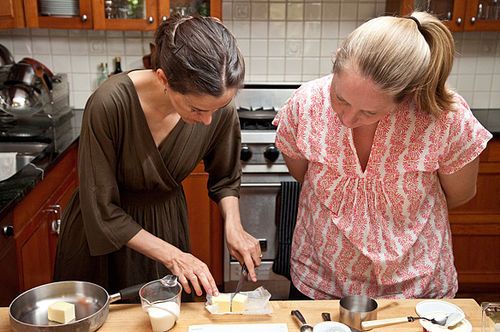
263, 173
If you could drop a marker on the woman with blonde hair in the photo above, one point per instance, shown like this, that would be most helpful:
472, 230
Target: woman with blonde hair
383, 148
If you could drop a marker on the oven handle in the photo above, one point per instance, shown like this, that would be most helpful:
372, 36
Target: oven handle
261, 184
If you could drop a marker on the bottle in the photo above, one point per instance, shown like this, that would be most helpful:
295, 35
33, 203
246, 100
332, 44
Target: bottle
103, 73
118, 65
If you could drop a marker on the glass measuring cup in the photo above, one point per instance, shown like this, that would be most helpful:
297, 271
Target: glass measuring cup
490, 318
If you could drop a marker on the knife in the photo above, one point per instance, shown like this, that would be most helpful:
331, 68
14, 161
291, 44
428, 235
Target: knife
243, 276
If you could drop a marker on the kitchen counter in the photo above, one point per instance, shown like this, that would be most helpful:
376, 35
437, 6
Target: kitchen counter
130, 317
15, 188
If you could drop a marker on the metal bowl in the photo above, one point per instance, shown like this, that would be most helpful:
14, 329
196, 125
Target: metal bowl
21, 100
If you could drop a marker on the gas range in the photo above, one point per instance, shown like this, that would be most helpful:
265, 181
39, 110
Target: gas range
257, 105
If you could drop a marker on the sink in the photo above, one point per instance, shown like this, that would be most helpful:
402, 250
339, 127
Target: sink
14, 156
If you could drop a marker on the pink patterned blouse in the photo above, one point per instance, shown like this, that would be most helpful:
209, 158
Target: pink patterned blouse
384, 231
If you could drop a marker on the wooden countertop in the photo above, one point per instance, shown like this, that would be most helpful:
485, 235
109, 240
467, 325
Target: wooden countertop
130, 317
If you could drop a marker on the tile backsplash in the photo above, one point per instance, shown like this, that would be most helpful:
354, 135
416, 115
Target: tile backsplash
282, 40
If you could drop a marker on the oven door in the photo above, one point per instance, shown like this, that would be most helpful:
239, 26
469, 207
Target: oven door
258, 208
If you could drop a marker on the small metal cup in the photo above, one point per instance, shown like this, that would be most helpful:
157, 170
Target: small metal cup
356, 309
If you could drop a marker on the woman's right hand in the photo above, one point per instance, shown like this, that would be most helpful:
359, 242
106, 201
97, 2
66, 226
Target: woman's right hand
191, 270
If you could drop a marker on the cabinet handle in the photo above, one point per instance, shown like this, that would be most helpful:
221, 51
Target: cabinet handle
472, 20
151, 20
459, 21
84, 18
8, 230
55, 226
480, 11
164, 18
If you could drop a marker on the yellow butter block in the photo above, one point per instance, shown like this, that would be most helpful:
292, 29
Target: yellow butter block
62, 312
239, 303
222, 301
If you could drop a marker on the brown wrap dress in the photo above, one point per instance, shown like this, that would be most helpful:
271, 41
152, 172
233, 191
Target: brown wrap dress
127, 183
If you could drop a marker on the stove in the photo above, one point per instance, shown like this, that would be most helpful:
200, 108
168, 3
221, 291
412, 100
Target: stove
263, 173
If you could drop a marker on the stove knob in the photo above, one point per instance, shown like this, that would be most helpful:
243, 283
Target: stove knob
245, 153
272, 153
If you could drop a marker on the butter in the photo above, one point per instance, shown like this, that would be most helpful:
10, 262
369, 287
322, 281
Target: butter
61, 312
239, 303
222, 302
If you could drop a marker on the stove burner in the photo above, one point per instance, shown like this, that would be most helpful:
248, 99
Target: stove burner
256, 118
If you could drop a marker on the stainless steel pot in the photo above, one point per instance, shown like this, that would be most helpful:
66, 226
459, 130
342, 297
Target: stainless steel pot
28, 311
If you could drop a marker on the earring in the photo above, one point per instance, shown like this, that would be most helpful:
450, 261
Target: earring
165, 91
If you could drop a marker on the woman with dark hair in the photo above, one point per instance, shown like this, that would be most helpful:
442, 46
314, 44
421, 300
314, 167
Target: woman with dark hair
143, 132
383, 149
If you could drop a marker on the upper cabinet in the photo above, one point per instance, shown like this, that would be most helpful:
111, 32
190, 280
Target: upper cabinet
457, 15
100, 14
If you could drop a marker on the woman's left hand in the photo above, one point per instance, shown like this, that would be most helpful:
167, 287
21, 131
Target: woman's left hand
244, 247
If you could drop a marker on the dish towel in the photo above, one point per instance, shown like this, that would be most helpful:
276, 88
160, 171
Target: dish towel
7, 165
287, 206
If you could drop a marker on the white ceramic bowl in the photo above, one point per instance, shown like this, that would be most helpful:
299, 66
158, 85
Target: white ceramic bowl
331, 327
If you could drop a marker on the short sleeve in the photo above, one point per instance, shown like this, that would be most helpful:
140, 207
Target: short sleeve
465, 137
287, 123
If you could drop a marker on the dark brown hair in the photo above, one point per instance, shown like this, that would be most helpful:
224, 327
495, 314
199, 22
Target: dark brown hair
198, 55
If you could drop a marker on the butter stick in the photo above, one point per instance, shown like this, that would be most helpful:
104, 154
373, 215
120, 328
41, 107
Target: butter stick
61, 312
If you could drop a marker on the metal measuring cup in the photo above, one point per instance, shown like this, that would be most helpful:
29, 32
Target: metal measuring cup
356, 309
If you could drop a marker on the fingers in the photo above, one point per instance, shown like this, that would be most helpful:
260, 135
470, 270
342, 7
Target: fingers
194, 275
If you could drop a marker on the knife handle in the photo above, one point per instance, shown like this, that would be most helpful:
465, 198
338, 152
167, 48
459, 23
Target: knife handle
299, 316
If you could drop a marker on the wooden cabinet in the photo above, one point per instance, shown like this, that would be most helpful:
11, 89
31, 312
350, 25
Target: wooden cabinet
205, 223
103, 14
8, 262
475, 228
458, 15
35, 222
11, 14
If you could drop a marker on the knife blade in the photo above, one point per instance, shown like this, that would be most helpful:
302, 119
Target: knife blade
243, 276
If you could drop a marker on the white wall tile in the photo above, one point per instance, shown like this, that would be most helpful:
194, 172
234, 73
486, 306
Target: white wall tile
310, 66
277, 11
81, 82
485, 65
348, 10
293, 66
346, 27
483, 82
467, 65
294, 29
330, 29
260, 11
312, 30
258, 66
481, 99
97, 46
241, 29
465, 82
312, 11
295, 11
328, 47
331, 11
294, 48
241, 11
39, 32
325, 66
312, 48
62, 64
79, 99
58, 33
495, 99
227, 10
277, 47
115, 45
41, 45
80, 64
258, 47
276, 66
259, 29
22, 44
278, 29
133, 46
366, 11
46, 59
78, 45
244, 45
59, 45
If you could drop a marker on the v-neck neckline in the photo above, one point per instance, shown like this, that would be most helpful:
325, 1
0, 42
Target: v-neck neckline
151, 140
372, 155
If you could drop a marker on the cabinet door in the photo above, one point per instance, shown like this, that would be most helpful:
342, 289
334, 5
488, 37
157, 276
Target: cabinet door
190, 7
9, 278
125, 14
483, 15
451, 12
205, 226
34, 255
46, 14
11, 14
